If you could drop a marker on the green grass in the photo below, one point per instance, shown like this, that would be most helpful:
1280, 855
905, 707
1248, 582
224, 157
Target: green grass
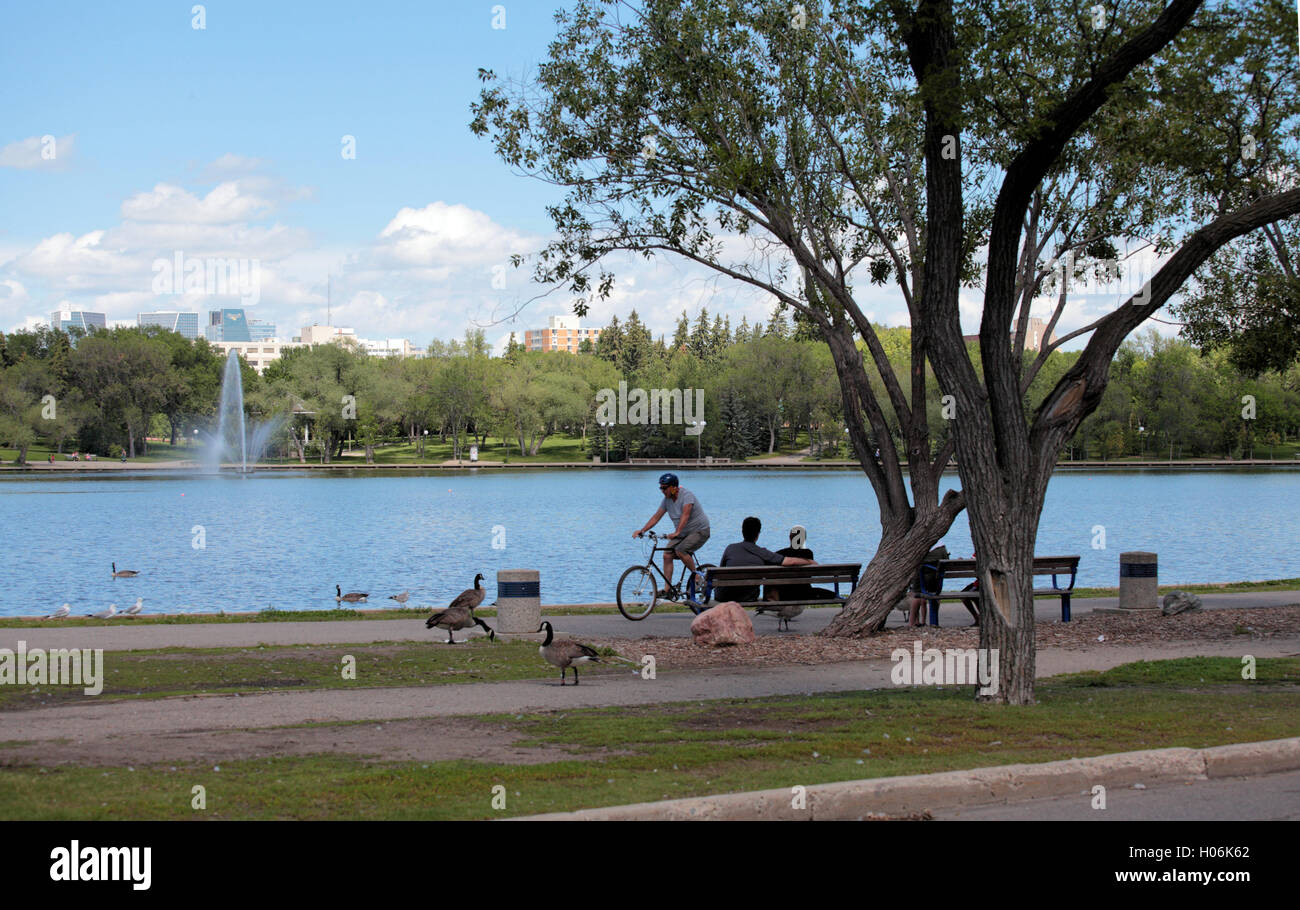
638, 754
166, 672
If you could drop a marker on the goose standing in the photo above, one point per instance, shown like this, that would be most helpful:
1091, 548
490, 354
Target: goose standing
105, 614
135, 608
565, 654
351, 598
457, 616
783, 612
60, 612
125, 573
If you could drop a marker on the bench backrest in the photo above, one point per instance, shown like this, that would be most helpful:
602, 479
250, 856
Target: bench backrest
830, 573
965, 568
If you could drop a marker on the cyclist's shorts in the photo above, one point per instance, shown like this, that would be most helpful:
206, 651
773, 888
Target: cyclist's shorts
688, 544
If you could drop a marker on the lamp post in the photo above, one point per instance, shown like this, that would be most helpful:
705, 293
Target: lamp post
699, 436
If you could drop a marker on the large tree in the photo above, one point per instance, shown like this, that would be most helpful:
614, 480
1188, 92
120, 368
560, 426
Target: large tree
935, 144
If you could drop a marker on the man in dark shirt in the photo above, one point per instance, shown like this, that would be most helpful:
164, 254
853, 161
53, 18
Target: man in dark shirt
749, 553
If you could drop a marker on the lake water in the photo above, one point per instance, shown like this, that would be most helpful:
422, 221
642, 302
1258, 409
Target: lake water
284, 539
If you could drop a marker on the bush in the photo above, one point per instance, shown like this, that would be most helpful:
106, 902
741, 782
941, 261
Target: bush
115, 451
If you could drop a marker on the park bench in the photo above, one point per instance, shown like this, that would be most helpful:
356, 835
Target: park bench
946, 569
754, 576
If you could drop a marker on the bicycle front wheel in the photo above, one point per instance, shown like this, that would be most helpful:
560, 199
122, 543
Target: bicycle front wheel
637, 591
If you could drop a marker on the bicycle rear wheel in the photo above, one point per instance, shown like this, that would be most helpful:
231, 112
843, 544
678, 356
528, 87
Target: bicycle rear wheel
637, 591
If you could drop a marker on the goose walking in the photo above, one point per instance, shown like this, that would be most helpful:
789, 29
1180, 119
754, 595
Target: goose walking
349, 598
105, 614
565, 654
783, 612
400, 598
457, 617
471, 597
60, 612
135, 608
125, 573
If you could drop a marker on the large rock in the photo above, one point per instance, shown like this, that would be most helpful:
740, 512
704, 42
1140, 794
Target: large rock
1181, 602
722, 625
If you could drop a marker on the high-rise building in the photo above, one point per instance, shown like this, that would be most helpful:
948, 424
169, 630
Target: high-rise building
77, 319
227, 325
259, 330
186, 324
563, 333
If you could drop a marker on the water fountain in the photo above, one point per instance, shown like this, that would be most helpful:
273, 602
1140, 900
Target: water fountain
233, 441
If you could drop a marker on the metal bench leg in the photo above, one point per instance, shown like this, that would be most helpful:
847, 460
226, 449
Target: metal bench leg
934, 612
1065, 608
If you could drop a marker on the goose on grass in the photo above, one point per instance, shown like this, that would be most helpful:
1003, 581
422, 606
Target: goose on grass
456, 617
565, 654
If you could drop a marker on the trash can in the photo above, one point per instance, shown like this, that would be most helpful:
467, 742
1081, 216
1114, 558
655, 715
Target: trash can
519, 601
1138, 582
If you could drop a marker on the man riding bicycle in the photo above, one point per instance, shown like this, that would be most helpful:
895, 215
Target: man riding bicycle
692, 525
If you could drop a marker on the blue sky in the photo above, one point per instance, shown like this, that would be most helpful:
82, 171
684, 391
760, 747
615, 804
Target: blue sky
226, 141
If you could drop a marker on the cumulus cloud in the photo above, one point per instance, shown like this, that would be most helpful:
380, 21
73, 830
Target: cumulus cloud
170, 204
46, 151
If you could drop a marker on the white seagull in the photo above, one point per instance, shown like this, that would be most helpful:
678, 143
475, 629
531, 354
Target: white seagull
135, 608
60, 612
105, 614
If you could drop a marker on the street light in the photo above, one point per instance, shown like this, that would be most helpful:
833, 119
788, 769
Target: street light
698, 436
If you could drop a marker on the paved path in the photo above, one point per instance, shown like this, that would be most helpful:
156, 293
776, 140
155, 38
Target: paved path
93, 720
139, 633
1274, 797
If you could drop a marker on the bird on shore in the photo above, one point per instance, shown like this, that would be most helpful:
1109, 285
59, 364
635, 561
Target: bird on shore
471, 597
60, 612
565, 654
105, 614
783, 612
125, 573
457, 616
400, 598
135, 608
351, 598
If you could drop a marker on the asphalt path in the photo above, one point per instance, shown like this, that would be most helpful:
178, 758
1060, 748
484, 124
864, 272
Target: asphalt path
138, 633
1272, 797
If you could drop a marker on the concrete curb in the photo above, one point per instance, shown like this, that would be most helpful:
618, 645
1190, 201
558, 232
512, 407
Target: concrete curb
950, 789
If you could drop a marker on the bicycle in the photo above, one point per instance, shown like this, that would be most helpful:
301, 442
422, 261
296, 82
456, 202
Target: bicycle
638, 589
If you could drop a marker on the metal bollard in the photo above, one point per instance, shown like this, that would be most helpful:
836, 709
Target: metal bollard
519, 601
1138, 582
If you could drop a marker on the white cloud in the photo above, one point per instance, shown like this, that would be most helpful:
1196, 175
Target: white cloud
227, 203
443, 235
45, 151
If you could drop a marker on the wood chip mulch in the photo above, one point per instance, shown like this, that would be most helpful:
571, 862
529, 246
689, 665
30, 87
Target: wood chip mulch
1093, 630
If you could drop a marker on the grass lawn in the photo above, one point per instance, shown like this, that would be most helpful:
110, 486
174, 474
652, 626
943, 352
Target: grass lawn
638, 754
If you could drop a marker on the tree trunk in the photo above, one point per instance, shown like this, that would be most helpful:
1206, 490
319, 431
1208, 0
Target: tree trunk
22, 455
370, 454
771, 436
537, 443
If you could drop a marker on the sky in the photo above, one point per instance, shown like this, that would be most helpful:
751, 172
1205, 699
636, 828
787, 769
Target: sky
129, 135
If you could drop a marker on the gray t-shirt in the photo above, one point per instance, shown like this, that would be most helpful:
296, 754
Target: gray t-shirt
698, 520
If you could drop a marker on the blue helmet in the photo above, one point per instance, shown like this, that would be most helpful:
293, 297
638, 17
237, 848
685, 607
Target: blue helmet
668, 480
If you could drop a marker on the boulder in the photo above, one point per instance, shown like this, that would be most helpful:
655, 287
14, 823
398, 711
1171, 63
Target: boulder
722, 625
1181, 602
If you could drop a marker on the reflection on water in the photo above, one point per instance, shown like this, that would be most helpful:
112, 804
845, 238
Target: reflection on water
284, 539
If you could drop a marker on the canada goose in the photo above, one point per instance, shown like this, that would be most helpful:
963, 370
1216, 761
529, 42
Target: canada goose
470, 597
135, 608
400, 598
105, 614
783, 612
565, 654
60, 612
351, 598
457, 616
125, 573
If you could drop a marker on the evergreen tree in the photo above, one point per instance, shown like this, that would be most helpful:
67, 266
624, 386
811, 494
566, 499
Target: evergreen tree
683, 333
638, 347
699, 341
513, 348
777, 326
720, 337
609, 345
742, 332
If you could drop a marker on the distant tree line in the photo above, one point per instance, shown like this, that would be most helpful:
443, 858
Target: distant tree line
765, 387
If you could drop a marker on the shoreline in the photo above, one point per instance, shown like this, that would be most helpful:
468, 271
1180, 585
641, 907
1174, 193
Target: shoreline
779, 463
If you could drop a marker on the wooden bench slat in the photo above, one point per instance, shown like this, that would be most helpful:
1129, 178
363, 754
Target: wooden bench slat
965, 568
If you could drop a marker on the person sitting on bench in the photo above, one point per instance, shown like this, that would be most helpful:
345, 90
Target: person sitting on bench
749, 553
796, 550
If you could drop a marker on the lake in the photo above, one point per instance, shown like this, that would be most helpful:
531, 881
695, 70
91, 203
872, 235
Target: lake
285, 538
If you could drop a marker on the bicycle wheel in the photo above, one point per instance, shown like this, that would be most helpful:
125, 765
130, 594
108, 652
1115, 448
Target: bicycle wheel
691, 592
636, 593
